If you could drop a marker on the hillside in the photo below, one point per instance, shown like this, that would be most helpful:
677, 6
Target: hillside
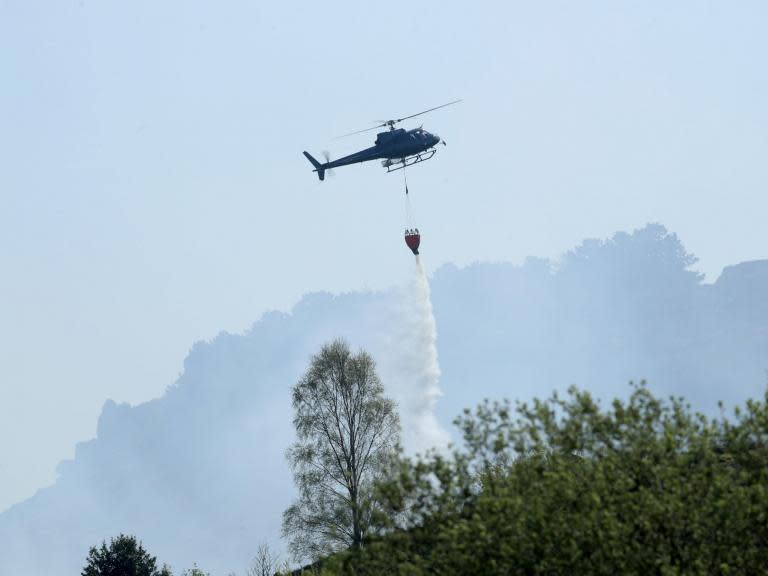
199, 474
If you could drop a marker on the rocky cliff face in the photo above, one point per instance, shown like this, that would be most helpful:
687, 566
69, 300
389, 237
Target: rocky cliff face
200, 476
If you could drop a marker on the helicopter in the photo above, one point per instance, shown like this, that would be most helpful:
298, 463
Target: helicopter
397, 147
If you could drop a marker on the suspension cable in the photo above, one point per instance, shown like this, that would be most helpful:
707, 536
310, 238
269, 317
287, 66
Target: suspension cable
409, 220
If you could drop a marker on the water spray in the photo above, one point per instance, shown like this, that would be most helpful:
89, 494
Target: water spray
413, 367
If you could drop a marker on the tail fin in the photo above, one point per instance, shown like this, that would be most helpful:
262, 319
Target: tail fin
318, 167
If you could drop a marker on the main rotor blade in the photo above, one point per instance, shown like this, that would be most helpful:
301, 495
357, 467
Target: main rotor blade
361, 131
391, 123
425, 111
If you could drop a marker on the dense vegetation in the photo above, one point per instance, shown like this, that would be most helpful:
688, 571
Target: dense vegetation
563, 486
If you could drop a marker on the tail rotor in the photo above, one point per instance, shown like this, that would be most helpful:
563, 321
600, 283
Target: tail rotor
327, 156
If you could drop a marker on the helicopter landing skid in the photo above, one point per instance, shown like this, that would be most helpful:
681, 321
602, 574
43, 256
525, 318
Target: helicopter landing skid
409, 161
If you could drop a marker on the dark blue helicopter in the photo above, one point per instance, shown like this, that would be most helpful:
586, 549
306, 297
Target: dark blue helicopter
397, 147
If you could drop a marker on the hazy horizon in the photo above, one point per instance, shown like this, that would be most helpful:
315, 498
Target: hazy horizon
200, 473
446, 269
153, 191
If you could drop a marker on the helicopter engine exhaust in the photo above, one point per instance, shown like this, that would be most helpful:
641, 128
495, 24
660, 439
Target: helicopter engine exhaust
318, 167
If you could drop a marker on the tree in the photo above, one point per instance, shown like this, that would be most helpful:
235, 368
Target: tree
265, 563
566, 486
124, 556
347, 435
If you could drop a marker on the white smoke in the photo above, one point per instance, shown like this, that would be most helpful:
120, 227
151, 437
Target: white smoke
411, 369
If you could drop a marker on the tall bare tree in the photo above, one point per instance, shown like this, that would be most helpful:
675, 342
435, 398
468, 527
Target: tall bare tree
265, 563
347, 433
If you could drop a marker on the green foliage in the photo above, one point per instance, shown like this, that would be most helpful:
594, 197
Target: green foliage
123, 557
562, 486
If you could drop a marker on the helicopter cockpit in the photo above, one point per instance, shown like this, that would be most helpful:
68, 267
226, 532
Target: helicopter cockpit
423, 136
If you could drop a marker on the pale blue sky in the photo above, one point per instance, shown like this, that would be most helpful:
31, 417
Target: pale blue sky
153, 192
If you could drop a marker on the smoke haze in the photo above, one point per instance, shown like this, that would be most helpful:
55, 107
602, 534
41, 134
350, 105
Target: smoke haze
199, 474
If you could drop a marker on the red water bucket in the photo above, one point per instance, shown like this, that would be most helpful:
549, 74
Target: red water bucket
413, 239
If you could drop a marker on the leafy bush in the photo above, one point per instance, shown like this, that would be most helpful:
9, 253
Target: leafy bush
124, 556
563, 486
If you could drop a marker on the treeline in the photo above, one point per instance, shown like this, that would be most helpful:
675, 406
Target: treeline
126, 556
565, 486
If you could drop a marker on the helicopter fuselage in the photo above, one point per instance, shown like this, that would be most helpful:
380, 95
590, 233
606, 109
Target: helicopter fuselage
395, 145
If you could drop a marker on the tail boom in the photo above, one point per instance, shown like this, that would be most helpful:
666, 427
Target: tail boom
319, 168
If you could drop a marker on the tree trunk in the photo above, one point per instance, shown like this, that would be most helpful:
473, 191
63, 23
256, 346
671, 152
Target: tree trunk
357, 531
